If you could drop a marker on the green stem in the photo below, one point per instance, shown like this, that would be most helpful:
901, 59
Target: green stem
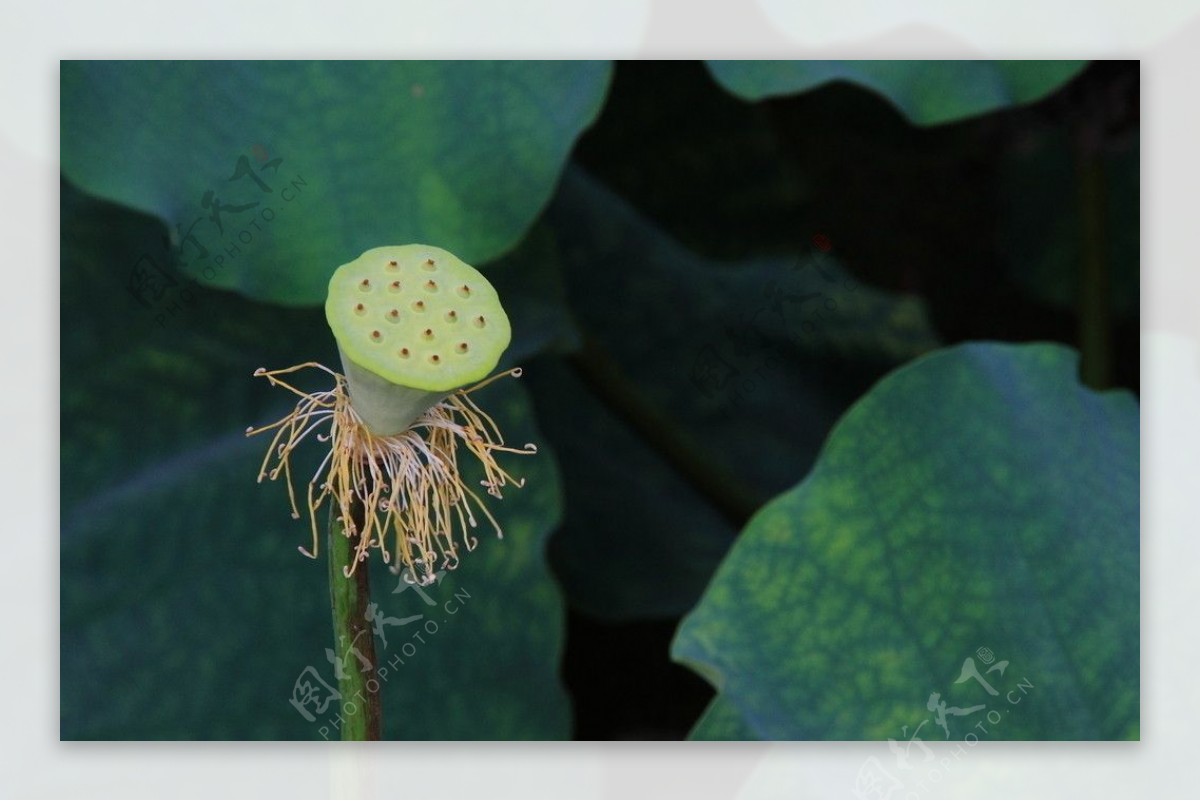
352, 637
1095, 316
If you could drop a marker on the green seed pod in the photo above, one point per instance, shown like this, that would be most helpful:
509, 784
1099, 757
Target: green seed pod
413, 323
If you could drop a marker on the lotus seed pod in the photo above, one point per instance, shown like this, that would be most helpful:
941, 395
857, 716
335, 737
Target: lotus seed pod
413, 323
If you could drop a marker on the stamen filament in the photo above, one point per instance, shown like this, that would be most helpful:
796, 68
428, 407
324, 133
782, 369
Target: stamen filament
407, 484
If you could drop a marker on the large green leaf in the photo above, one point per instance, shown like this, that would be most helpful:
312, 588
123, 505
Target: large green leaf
186, 611
751, 361
977, 498
927, 92
324, 159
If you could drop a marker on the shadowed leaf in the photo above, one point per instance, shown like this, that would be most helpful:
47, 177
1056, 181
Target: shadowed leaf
927, 92
271, 174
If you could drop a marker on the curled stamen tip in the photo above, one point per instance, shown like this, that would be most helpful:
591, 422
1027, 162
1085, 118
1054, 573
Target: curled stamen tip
304, 551
295, 515
516, 372
531, 447
260, 371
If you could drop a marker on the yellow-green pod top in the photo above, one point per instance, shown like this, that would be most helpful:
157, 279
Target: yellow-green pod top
413, 323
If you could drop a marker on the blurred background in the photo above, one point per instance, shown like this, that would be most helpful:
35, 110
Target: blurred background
704, 268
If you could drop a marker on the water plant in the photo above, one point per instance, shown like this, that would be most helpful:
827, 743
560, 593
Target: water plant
418, 331
773, 482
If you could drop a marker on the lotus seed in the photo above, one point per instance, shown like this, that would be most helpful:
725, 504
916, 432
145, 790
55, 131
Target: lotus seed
397, 414
408, 320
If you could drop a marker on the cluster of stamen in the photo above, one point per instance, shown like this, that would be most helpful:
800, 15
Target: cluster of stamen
406, 484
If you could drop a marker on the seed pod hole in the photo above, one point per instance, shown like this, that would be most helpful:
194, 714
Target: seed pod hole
435, 359
393, 265
431, 285
429, 265
451, 316
480, 322
394, 286
394, 315
365, 285
464, 291
376, 336
419, 306
427, 334
404, 354
360, 309
461, 347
